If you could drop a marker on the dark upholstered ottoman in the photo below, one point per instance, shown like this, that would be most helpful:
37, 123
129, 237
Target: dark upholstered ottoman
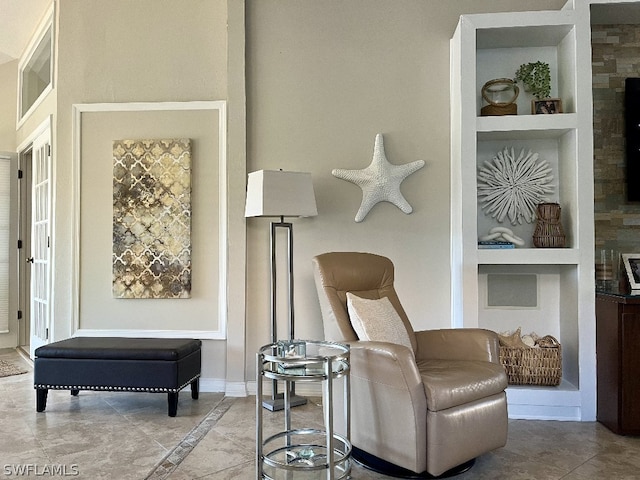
118, 364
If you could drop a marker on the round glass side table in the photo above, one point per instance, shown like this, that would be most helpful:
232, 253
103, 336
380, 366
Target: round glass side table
301, 452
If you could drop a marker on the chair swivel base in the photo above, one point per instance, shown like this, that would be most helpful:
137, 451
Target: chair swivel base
379, 465
277, 403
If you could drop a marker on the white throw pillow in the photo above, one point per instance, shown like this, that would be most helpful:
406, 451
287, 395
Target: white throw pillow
377, 320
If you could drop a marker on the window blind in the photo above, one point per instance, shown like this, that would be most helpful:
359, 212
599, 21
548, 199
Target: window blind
5, 169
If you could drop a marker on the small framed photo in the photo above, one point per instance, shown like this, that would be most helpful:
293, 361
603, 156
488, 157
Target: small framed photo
546, 106
632, 267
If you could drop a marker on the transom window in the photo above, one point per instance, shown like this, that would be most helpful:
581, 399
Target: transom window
36, 70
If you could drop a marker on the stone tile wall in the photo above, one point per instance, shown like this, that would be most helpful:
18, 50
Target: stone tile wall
616, 56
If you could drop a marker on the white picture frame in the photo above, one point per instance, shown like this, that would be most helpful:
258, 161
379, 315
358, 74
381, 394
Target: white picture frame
631, 263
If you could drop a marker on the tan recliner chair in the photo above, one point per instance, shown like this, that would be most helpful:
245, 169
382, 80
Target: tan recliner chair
430, 412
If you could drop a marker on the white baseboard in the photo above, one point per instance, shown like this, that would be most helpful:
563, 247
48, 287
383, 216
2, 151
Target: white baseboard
251, 388
561, 403
212, 385
529, 412
235, 389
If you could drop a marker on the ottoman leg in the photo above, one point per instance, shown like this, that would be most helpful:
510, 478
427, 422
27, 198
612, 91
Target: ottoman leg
195, 388
41, 399
75, 392
173, 403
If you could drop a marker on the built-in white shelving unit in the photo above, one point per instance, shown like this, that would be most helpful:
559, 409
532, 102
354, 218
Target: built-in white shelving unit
559, 294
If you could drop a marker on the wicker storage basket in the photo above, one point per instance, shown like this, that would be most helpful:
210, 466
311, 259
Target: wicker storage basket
533, 366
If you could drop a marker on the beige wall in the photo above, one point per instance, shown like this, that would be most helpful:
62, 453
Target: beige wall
8, 90
323, 78
124, 51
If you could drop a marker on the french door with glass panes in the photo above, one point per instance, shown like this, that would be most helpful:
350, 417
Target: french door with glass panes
40, 259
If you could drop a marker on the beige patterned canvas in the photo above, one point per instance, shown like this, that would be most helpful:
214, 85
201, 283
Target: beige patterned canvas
152, 218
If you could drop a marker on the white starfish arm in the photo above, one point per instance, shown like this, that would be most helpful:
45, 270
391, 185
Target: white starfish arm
365, 208
410, 168
401, 202
348, 175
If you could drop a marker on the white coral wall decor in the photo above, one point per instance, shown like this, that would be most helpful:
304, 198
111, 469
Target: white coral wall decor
380, 181
512, 187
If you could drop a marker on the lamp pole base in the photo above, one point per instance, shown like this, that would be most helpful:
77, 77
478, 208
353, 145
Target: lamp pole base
277, 403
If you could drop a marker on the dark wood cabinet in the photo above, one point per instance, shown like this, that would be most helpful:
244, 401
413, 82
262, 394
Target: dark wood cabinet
618, 362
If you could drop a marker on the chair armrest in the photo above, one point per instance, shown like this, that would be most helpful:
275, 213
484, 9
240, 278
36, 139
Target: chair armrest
385, 364
458, 344
388, 403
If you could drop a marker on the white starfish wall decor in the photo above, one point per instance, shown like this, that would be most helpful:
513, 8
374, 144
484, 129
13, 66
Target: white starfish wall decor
380, 181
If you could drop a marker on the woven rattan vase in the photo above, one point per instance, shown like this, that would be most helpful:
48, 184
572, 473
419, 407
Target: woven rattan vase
549, 232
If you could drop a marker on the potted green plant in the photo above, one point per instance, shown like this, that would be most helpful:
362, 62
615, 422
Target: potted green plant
536, 78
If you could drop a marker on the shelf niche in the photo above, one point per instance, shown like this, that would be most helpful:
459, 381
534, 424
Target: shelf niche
500, 52
558, 152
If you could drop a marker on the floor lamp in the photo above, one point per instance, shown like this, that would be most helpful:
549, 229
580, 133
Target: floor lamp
275, 193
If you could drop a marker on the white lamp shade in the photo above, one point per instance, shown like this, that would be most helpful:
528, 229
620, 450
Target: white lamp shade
274, 193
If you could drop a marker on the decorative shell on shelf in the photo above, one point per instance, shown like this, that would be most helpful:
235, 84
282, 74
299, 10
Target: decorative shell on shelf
510, 186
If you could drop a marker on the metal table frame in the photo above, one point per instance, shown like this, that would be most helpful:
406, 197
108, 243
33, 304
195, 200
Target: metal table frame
286, 450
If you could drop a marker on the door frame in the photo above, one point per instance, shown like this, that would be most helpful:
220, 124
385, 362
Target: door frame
25, 148
23, 244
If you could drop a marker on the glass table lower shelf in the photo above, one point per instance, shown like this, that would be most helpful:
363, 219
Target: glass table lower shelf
302, 454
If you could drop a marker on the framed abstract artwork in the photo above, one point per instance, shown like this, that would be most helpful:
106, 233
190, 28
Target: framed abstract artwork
152, 218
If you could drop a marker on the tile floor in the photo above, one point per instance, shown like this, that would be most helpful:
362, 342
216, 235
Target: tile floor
103, 435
